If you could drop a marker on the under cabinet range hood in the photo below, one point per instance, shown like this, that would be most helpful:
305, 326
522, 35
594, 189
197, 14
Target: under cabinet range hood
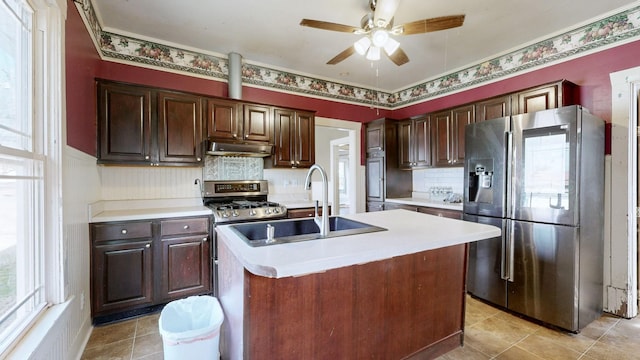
239, 149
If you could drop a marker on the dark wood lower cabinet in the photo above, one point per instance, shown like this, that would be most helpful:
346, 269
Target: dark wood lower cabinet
185, 267
409, 306
305, 212
137, 264
122, 276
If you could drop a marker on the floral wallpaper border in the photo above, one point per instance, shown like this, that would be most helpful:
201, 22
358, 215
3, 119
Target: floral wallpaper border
613, 29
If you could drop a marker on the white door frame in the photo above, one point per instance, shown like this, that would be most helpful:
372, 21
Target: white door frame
335, 160
356, 169
621, 240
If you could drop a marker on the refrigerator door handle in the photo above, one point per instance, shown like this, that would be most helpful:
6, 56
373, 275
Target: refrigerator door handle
508, 153
506, 266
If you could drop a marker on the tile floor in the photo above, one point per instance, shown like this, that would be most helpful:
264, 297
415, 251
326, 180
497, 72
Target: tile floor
489, 334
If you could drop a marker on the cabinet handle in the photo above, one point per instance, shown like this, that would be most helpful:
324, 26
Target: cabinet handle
204, 239
147, 246
234, 136
198, 159
146, 157
297, 162
185, 227
124, 231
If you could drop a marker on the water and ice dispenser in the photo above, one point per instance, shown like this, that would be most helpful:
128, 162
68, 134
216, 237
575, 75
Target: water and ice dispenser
481, 182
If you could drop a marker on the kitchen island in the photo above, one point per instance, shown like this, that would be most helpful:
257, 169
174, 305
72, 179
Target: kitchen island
392, 294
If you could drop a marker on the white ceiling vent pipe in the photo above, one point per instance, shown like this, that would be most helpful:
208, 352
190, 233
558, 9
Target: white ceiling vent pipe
235, 76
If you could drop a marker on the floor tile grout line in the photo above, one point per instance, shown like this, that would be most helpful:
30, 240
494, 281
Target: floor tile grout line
599, 338
135, 335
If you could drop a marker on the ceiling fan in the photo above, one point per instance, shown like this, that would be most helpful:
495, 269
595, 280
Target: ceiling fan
377, 28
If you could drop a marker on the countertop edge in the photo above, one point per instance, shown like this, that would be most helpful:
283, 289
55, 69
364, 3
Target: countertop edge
426, 203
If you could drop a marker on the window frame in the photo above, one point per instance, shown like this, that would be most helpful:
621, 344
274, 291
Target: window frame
47, 110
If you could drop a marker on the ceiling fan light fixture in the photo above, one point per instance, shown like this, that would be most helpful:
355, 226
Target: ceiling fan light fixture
379, 37
373, 54
362, 45
391, 46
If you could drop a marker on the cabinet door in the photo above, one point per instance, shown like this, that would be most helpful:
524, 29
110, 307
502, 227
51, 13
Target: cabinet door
493, 108
375, 206
537, 99
375, 179
124, 123
284, 124
305, 139
223, 119
422, 142
186, 267
122, 276
294, 137
405, 154
257, 123
442, 137
375, 136
179, 128
462, 117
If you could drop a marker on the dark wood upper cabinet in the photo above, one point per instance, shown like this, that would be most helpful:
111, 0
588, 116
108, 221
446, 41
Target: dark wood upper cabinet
375, 136
449, 127
257, 123
124, 123
179, 128
294, 138
414, 143
139, 125
493, 108
544, 97
223, 119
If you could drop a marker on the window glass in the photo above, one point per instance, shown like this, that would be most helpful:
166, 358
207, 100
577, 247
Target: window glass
22, 292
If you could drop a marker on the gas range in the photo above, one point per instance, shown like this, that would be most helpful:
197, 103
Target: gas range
240, 201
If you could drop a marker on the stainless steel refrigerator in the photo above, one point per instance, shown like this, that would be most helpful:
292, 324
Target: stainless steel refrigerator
540, 177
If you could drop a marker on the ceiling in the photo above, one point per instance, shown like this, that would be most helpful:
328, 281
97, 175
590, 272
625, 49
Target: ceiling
268, 33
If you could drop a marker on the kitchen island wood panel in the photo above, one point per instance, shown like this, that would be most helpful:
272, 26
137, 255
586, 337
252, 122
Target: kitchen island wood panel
409, 306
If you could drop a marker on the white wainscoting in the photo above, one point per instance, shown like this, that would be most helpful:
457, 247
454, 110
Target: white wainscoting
132, 183
62, 331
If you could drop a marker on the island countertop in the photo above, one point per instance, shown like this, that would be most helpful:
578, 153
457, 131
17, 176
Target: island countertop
407, 232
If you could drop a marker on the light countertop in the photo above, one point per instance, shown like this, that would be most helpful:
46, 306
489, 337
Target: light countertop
126, 210
418, 201
407, 232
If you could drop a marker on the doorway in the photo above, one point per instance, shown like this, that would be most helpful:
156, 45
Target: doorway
340, 176
338, 151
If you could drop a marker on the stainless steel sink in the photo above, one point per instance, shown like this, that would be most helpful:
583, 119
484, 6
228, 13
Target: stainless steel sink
295, 230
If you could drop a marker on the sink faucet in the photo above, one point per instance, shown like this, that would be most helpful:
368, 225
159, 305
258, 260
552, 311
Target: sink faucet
323, 223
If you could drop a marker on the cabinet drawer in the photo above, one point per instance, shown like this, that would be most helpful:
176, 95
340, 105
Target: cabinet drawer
305, 212
452, 214
184, 226
121, 231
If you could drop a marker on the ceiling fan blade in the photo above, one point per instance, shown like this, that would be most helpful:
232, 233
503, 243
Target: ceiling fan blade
384, 12
324, 25
399, 57
343, 55
429, 25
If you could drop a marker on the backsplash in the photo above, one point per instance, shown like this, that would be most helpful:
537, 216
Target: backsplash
425, 180
232, 168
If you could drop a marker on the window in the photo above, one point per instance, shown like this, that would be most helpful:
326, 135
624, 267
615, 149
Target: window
29, 116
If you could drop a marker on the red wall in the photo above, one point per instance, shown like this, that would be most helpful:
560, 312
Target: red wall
81, 63
590, 72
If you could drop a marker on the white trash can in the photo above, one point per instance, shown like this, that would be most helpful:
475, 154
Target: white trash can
190, 328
